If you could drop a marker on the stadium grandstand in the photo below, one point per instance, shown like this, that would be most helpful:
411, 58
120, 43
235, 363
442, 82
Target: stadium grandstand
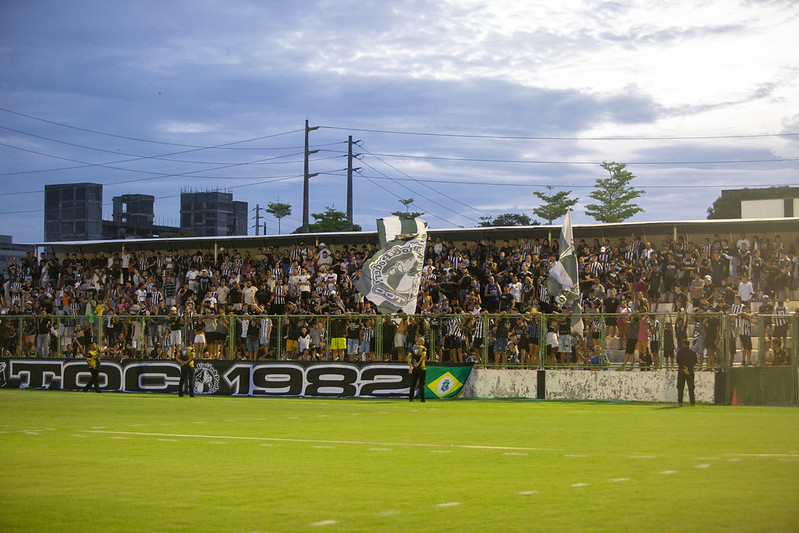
729, 286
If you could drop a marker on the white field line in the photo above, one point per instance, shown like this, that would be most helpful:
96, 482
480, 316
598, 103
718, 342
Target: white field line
324, 523
311, 441
407, 444
789, 454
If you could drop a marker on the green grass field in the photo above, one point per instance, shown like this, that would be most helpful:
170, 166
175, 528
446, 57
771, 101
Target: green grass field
139, 462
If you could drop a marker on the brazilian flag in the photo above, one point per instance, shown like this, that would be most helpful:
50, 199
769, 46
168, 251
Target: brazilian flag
445, 381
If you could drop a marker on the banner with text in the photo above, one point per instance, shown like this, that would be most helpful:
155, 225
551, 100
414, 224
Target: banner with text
238, 378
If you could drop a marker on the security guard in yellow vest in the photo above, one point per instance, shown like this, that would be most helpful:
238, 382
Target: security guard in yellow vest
93, 360
417, 368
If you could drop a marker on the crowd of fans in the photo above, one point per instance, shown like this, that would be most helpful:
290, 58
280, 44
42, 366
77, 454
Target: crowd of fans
478, 299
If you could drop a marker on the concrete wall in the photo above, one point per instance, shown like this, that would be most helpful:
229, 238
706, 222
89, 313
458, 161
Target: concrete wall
653, 386
763, 208
493, 383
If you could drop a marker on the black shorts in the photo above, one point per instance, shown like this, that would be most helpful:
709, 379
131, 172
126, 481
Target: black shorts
631, 343
746, 342
654, 346
451, 342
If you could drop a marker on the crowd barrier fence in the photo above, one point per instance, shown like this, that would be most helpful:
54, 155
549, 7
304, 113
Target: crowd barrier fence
503, 340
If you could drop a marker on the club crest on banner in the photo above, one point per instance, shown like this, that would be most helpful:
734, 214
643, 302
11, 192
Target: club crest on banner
391, 278
206, 379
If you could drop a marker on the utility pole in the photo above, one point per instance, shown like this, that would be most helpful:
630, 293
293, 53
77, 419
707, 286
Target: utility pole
257, 217
307, 179
349, 180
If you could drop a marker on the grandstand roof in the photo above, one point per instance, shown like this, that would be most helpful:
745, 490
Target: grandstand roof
657, 231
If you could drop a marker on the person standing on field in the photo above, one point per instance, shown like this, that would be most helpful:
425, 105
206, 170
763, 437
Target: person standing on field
686, 361
186, 360
417, 368
93, 360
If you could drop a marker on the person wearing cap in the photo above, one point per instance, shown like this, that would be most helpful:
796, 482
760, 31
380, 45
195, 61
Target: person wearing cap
417, 368
186, 360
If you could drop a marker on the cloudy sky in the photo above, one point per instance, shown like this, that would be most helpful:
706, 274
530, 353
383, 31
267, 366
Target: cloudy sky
466, 106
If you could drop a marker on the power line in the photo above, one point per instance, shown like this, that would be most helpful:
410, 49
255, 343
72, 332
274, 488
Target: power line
401, 198
424, 197
554, 138
572, 186
592, 163
154, 175
139, 157
421, 183
106, 134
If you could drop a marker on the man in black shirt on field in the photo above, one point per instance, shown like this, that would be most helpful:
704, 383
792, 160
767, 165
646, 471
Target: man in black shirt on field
417, 368
686, 361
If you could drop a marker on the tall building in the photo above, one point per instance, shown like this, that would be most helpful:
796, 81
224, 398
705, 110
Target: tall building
134, 210
212, 213
132, 218
73, 212
768, 202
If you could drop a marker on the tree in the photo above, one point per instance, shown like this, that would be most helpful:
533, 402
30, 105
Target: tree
278, 210
555, 205
331, 220
407, 214
508, 219
614, 195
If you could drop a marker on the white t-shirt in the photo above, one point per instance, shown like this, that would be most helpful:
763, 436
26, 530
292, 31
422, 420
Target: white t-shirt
745, 291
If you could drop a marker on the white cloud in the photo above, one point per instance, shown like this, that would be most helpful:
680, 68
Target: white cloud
185, 127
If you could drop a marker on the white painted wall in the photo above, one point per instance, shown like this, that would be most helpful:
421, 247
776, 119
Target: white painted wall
653, 386
650, 386
763, 208
494, 383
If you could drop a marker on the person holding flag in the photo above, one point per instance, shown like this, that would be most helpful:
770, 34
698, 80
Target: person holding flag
563, 283
390, 279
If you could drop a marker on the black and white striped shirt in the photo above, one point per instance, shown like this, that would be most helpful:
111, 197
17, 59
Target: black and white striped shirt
279, 294
368, 333
452, 326
479, 328
782, 315
735, 310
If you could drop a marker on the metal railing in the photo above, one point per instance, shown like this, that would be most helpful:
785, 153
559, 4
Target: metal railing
534, 341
